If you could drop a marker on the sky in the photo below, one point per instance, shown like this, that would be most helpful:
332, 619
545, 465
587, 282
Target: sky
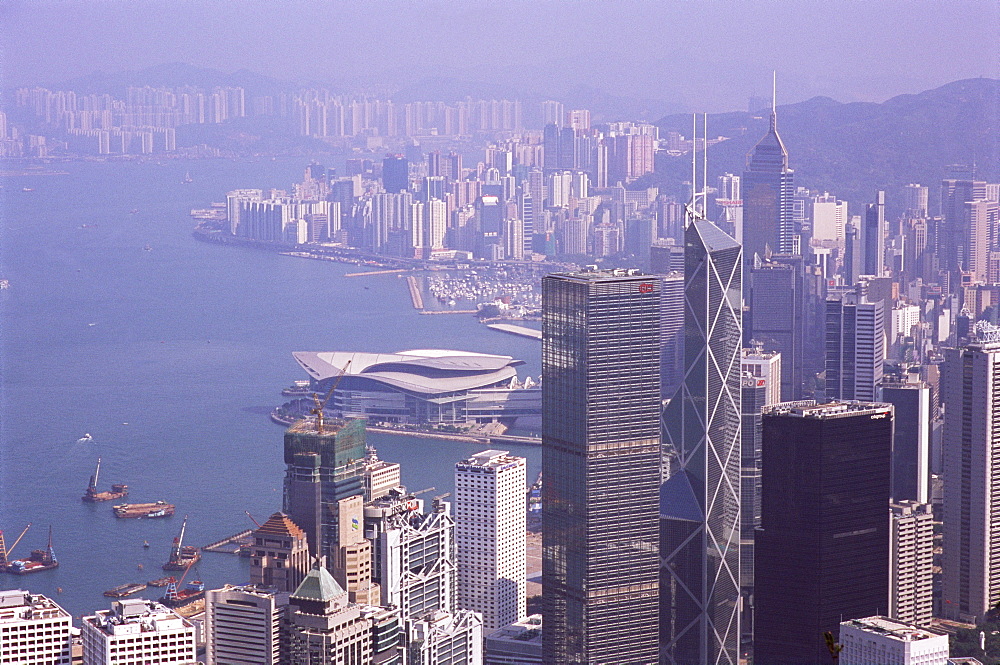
697, 54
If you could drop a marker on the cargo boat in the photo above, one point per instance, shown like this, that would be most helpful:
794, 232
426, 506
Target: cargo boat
136, 510
163, 581
38, 561
123, 590
118, 490
182, 556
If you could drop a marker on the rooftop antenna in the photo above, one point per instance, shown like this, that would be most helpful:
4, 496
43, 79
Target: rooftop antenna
774, 99
704, 165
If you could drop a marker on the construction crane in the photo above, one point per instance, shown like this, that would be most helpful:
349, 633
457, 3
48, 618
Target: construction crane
252, 519
175, 551
423, 491
93, 479
317, 410
5, 551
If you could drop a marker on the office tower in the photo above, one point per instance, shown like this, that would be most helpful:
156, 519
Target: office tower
852, 251
873, 234
822, 550
112, 636
552, 113
395, 174
324, 626
325, 463
980, 217
911, 564
729, 206
551, 137
767, 186
34, 630
970, 393
601, 463
761, 387
280, 554
855, 348
434, 164
442, 638
911, 440
490, 527
776, 317
953, 238
578, 119
671, 331
526, 208
352, 557
243, 624
915, 200
879, 640
381, 477
414, 554
829, 218
700, 496
517, 644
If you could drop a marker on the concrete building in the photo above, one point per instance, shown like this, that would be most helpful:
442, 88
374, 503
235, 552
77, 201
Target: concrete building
517, 644
443, 638
136, 632
601, 463
824, 494
971, 394
380, 477
855, 348
911, 440
911, 564
878, 640
490, 544
34, 630
280, 556
352, 557
244, 624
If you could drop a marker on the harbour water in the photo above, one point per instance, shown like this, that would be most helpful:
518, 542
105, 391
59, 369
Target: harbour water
171, 352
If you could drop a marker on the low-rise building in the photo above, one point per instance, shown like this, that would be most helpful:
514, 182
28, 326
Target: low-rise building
136, 632
517, 644
882, 641
34, 630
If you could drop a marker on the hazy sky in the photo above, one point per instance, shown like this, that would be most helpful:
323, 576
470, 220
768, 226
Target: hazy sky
700, 54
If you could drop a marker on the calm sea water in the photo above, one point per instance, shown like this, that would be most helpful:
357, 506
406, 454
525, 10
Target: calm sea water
171, 358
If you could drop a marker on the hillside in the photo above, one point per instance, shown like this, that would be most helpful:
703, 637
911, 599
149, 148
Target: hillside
854, 149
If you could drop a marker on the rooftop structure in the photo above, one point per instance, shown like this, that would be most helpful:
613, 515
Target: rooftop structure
517, 644
879, 640
280, 554
34, 630
427, 385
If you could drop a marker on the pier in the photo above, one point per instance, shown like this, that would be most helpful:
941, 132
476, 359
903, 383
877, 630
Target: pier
418, 300
230, 545
376, 272
516, 330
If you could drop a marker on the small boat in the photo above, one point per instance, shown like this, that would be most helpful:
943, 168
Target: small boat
147, 248
86, 438
145, 544
187, 179
27, 189
133, 211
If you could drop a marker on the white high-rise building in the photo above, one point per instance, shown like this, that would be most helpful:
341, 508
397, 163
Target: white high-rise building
243, 624
971, 394
34, 630
882, 641
911, 562
443, 638
138, 631
490, 527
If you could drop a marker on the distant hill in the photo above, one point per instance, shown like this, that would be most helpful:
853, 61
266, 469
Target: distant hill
172, 75
853, 149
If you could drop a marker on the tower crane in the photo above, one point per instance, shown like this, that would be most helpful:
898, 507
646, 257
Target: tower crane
317, 410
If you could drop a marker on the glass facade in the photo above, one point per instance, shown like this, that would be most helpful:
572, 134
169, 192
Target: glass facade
700, 496
601, 466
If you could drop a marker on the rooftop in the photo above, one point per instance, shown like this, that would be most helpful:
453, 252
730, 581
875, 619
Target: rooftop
810, 409
491, 459
21, 605
898, 630
136, 615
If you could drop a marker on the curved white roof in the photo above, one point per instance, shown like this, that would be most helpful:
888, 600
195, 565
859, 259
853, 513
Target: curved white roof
423, 371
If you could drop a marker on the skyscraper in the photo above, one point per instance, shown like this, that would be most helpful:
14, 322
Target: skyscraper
911, 567
395, 174
244, 624
953, 238
601, 462
700, 495
822, 551
855, 347
776, 317
971, 393
768, 185
911, 440
490, 528
873, 236
280, 554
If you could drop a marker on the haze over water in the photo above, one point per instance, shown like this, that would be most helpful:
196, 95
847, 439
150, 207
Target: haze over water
171, 358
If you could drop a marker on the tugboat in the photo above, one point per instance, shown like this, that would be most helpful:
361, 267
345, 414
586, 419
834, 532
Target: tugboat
38, 561
118, 490
182, 556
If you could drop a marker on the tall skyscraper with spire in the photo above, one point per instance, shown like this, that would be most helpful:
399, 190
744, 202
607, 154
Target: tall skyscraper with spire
767, 197
701, 430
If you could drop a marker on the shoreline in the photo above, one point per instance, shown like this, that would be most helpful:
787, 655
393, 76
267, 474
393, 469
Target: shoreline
468, 438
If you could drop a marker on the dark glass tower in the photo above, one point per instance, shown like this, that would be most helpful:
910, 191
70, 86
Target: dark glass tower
395, 174
822, 552
767, 198
601, 463
700, 496
776, 317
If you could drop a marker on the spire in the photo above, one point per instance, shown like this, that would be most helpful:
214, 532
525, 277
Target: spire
774, 100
